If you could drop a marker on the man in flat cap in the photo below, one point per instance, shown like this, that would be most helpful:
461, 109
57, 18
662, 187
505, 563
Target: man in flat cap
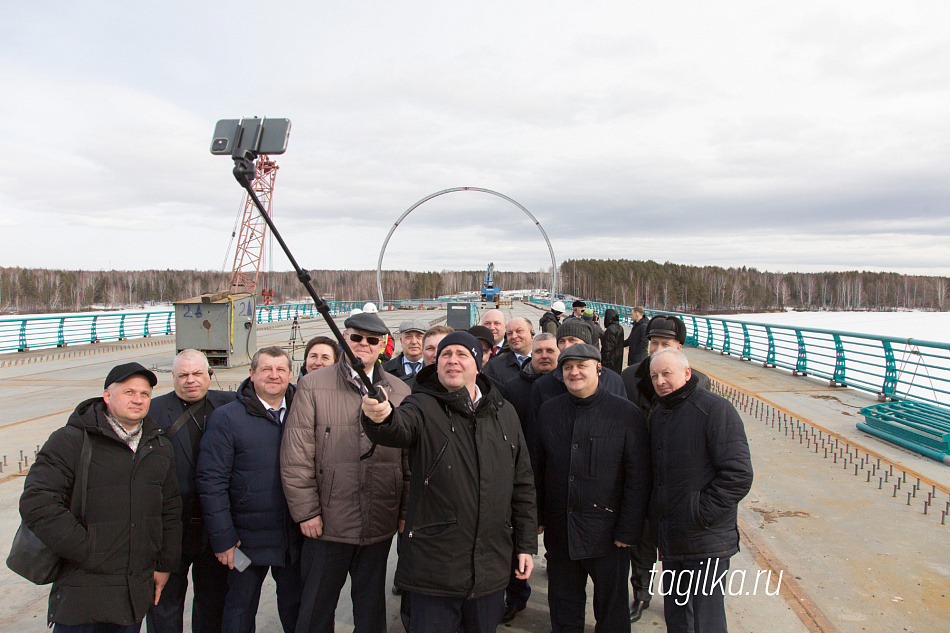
593, 482
409, 361
348, 508
103, 495
471, 495
577, 310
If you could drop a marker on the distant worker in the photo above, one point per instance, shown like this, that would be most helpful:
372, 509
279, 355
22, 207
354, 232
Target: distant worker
348, 500
321, 351
183, 415
518, 335
464, 519
701, 470
409, 360
593, 482
242, 500
597, 331
662, 332
612, 342
494, 320
637, 339
430, 342
117, 558
552, 318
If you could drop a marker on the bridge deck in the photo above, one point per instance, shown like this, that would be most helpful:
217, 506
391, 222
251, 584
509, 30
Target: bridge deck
853, 557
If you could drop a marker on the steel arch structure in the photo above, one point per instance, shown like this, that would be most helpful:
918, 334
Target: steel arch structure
382, 251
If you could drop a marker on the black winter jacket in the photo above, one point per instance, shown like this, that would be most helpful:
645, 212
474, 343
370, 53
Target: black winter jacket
517, 391
637, 342
239, 483
132, 525
502, 368
549, 322
593, 475
471, 492
551, 385
701, 470
639, 387
612, 342
165, 410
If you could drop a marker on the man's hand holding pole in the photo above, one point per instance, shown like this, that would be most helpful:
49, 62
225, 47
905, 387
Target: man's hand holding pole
375, 410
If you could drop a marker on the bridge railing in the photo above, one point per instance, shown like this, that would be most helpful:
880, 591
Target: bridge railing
19, 334
887, 366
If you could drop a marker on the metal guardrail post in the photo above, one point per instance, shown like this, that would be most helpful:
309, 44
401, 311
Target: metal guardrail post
145, 333
839, 376
168, 323
725, 338
60, 339
122, 328
746, 344
770, 356
890, 372
22, 347
93, 337
801, 365
693, 339
709, 334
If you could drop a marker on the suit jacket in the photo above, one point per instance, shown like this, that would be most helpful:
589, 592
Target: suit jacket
164, 410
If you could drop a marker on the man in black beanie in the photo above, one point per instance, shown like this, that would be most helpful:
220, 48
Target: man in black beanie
456, 559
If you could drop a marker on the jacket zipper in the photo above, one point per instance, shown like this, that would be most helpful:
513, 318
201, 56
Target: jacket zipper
438, 458
323, 453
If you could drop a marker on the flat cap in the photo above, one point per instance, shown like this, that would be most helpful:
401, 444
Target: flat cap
667, 327
121, 373
578, 351
577, 328
366, 322
482, 333
578, 304
414, 325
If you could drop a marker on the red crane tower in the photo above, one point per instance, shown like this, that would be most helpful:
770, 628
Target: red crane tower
250, 247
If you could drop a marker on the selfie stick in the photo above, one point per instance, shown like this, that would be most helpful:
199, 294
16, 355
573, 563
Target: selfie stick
244, 173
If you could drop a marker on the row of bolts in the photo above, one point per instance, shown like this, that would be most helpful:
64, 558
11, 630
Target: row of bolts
808, 435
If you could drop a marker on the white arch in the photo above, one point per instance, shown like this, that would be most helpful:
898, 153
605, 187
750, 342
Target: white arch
382, 251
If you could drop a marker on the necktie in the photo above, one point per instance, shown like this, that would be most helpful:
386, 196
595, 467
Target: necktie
495, 350
413, 368
275, 414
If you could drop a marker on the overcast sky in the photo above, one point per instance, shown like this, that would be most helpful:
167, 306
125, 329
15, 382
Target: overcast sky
790, 137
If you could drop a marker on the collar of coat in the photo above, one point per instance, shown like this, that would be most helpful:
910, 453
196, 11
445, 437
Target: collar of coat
91, 415
252, 403
427, 381
591, 400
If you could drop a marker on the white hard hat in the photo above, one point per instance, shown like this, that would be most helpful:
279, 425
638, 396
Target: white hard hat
355, 311
558, 306
370, 307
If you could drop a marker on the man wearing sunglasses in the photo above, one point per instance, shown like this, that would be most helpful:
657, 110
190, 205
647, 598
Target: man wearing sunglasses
348, 508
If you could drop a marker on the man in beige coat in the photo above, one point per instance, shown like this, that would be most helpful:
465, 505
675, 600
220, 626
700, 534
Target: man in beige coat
348, 508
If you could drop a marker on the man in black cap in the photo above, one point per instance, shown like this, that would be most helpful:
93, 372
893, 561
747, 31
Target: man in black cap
409, 361
578, 310
662, 332
487, 338
471, 493
119, 545
348, 498
593, 482
183, 415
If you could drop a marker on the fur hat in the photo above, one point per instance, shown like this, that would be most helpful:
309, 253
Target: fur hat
667, 327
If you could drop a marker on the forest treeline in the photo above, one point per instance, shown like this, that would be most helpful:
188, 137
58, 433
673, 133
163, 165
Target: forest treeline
666, 286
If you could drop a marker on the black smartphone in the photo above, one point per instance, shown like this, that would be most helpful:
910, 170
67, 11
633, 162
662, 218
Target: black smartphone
261, 136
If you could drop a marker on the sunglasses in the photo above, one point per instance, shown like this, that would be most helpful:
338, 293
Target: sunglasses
370, 340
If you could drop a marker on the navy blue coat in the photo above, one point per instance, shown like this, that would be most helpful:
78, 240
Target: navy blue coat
593, 474
701, 470
165, 410
238, 479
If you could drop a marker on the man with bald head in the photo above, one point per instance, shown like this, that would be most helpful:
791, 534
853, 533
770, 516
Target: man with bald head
494, 320
183, 414
519, 335
701, 470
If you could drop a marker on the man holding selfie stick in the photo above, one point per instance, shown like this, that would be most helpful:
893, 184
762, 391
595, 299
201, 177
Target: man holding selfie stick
245, 513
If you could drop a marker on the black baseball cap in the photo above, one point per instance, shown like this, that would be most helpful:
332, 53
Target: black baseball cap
121, 373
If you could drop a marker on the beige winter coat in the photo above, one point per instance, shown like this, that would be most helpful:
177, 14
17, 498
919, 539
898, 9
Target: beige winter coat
361, 501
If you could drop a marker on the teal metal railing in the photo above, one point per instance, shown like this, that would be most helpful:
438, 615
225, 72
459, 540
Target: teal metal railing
19, 334
889, 367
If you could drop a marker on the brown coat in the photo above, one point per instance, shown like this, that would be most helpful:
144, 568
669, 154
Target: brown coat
360, 501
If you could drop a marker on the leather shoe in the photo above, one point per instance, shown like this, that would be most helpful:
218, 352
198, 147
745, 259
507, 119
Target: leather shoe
637, 607
510, 612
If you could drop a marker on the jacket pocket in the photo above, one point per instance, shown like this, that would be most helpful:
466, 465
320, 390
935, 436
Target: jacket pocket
694, 513
433, 529
326, 488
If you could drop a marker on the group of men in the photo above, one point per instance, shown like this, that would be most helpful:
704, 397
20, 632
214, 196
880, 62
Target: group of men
470, 446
